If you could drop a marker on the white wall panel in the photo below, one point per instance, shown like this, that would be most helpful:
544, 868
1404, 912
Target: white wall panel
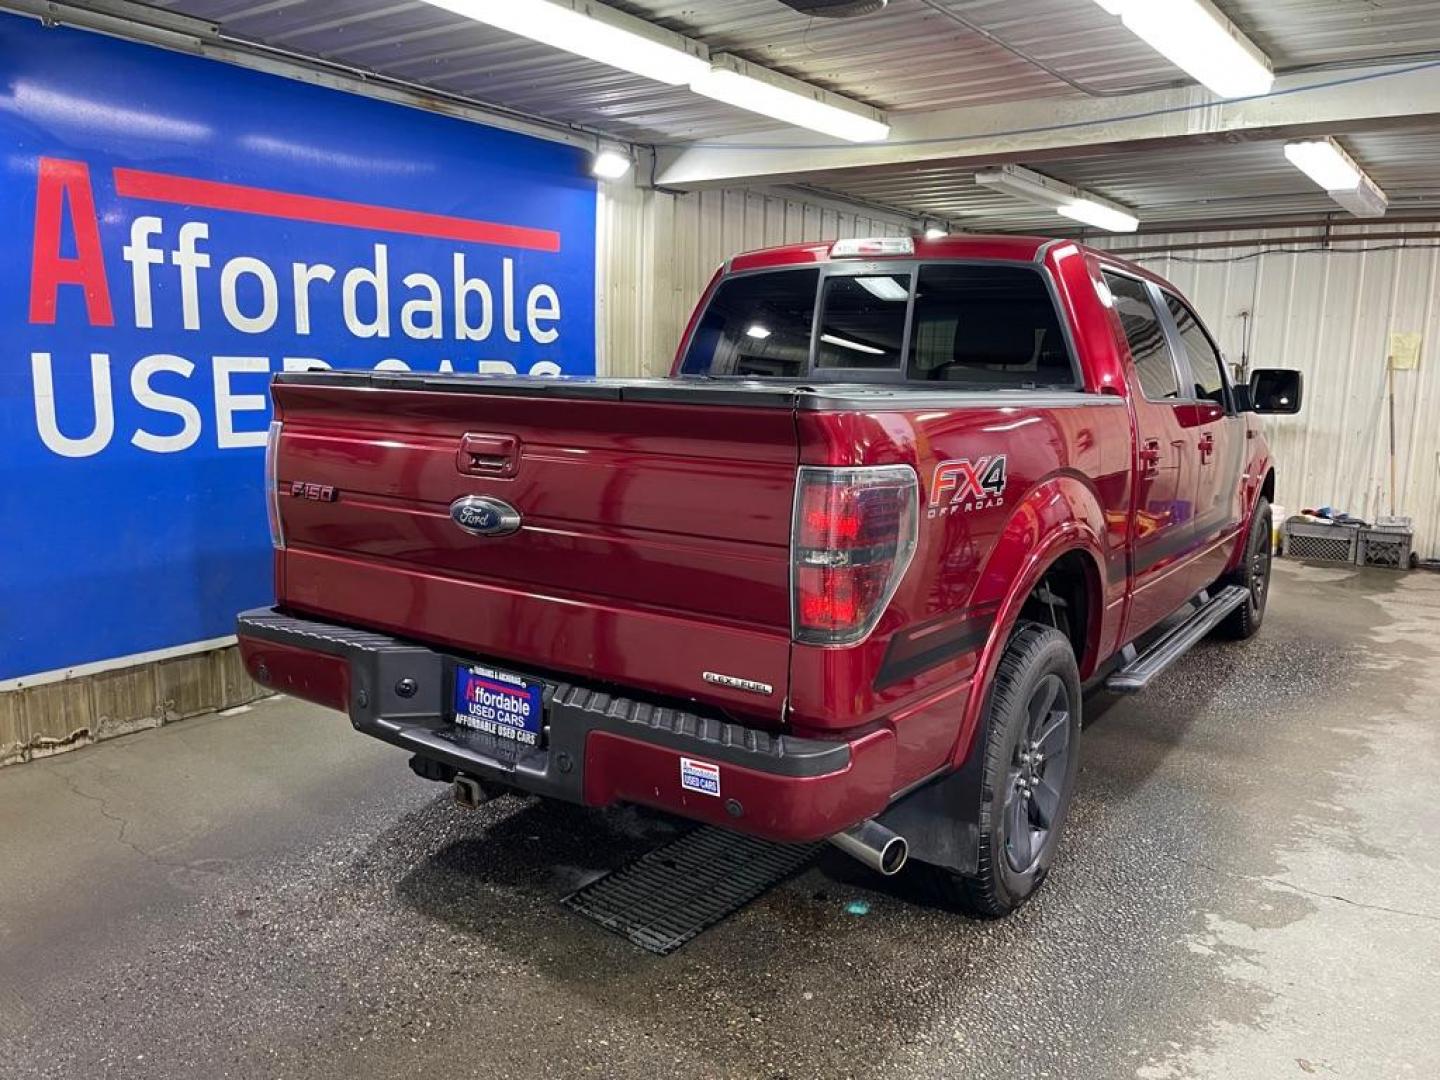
657, 251
1330, 313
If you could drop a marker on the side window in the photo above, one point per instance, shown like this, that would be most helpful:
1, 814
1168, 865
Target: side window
756, 325
1201, 359
1146, 334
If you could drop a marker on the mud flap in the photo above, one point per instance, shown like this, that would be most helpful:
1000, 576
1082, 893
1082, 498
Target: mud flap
941, 819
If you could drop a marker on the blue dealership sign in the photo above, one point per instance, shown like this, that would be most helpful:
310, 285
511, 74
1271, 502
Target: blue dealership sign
178, 230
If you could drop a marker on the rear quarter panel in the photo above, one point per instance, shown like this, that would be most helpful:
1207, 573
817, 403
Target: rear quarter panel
1067, 464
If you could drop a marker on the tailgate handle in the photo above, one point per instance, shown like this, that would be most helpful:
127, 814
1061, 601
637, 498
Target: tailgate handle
488, 455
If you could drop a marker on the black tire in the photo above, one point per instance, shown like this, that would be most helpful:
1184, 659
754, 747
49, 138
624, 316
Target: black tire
1253, 574
1036, 692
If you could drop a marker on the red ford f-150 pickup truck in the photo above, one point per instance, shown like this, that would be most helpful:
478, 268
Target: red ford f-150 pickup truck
843, 575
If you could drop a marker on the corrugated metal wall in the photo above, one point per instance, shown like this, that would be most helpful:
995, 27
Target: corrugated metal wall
1330, 313
656, 253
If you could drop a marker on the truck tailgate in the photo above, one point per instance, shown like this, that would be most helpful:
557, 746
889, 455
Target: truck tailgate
653, 546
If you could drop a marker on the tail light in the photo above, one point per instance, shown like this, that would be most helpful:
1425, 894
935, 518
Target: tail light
853, 537
272, 485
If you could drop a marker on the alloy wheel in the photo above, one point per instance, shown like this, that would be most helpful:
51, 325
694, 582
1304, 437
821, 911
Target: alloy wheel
1036, 774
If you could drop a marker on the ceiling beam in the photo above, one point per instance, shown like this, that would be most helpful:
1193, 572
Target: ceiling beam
1032, 131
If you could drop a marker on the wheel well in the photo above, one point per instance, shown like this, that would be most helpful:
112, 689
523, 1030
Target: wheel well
1267, 488
1064, 598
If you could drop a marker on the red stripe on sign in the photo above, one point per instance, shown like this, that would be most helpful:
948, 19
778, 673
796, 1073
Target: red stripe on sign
499, 688
213, 195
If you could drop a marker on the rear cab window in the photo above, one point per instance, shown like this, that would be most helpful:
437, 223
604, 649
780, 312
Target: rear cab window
756, 325
976, 325
863, 322
991, 325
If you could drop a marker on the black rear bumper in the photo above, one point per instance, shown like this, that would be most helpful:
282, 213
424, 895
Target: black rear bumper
400, 692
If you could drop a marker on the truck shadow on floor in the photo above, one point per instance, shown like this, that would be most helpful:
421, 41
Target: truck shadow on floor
502, 880
517, 858
496, 887
863, 945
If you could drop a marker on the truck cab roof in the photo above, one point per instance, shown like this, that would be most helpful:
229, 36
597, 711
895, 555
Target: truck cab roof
979, 246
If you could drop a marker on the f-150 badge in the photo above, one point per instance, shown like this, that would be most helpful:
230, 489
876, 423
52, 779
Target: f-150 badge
963, 485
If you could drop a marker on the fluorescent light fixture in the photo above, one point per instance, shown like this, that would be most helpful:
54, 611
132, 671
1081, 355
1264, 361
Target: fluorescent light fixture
853, 346
1324, 162
748, 86
595, 32
936, 232
1071, 202
758, 332
610, 164
1090, 212
883, 288
623, 41
1196, 37
1367, 200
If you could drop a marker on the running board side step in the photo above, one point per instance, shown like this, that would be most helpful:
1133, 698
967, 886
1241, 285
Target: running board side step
1140, 670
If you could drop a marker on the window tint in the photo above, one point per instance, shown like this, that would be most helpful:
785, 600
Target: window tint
1201, 360
756, 325
1146, 335
862, 322
991, 325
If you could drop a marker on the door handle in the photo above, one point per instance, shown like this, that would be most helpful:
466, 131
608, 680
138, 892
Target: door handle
488, 455
1149, 455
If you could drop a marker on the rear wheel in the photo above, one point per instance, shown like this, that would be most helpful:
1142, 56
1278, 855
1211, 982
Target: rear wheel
1031, 760
1253, 575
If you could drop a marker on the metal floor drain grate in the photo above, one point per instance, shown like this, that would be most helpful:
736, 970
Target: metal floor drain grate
666, 897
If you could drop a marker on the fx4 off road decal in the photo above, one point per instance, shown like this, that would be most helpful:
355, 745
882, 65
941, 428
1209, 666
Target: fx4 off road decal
963, 485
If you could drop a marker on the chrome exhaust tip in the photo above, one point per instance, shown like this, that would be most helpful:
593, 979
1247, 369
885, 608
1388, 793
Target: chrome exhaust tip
874, 845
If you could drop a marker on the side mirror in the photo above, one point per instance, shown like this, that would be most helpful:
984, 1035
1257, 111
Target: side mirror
1274, 390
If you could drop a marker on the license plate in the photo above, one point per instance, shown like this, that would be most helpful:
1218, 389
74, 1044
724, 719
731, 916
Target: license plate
500, 704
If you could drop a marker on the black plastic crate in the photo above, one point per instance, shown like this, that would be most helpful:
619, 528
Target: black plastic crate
1385, 547
1302, 539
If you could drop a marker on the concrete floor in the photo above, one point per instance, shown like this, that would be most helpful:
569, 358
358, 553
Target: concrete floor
1249, 888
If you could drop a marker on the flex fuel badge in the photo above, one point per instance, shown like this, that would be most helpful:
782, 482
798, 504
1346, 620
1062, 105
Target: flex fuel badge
700, 776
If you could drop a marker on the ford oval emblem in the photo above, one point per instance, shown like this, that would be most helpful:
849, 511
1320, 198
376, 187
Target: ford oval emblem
481, 515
